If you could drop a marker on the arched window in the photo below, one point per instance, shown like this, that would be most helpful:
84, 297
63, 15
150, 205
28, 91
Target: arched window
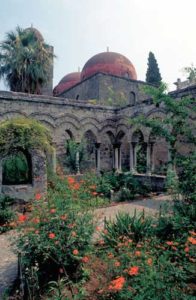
17, 168
132, 98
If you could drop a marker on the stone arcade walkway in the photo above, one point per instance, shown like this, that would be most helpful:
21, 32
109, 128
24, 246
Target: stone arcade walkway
8, 260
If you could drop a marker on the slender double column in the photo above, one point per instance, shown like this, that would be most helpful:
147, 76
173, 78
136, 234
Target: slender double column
97, 157
117, 156
150, 158
133, 157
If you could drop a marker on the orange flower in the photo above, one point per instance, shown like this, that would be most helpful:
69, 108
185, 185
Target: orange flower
137, 253
76, 186
75, 252
133, 271
36, 220
98, 228
105, 231
36, 231
117, 264
110, 255
22, 218
186, 249
51, 235
85, 259
64, 217
192, 233
192, 240
117, 284
169, 243
92, 187
149, 261
101, 242
70, 180
38, 196
174, 248
53, 210
72, 225
94, 193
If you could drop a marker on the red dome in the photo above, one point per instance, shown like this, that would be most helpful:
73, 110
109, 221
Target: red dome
67, 82
109, 63
36, 32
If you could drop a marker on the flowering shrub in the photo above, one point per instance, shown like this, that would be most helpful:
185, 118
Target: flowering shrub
6, 214
54, 242
147, 266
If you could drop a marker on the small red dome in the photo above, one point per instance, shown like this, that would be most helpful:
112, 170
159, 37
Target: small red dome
36, 32
109, 63
67, 82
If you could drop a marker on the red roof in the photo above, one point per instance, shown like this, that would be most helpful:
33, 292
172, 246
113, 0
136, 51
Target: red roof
109, 63
66, 82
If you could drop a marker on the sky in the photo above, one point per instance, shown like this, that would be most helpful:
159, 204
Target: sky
79, 29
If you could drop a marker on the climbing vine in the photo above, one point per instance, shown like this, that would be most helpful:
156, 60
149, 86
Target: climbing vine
23, 133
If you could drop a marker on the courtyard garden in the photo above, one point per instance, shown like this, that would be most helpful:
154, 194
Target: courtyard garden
67, 247
65, 252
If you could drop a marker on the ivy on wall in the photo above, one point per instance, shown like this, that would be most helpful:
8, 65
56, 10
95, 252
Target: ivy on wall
24, 134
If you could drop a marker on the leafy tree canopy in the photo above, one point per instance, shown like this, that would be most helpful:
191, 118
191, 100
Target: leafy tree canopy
23, 133
176, 124
190, 72
153, 75
25, 61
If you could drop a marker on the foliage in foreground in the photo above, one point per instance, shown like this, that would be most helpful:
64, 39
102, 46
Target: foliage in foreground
156, 264
6, 214
53, 243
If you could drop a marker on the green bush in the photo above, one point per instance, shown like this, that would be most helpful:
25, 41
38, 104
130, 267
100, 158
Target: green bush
6, 214
53, 243
135, 227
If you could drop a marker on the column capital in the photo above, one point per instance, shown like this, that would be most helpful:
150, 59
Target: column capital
97, 145
116, 145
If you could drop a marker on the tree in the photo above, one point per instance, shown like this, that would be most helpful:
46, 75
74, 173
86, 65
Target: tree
175, 126
153, 74
25, 61
190, 72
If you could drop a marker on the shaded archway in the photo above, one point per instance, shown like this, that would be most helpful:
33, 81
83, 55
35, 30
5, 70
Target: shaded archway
139, 152
17, 168
159, 154
89, 142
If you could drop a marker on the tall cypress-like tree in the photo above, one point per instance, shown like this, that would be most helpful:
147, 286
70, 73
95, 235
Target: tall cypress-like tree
153, 74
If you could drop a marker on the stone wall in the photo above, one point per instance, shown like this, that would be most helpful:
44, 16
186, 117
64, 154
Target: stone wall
68, 118
39, 179
104, 88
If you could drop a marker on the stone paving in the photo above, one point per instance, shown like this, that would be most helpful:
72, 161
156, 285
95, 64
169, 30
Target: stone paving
8, 260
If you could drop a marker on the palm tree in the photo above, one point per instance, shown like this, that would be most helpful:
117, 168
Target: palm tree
25, 61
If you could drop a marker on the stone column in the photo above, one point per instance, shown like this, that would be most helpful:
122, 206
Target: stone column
116, 158
152, 157
54, 160
134, 144
78, 162
131, 158
1, 175
119, 158
148, 159
97, 147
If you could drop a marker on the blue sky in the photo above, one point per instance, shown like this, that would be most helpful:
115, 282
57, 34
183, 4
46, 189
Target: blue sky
79, 29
